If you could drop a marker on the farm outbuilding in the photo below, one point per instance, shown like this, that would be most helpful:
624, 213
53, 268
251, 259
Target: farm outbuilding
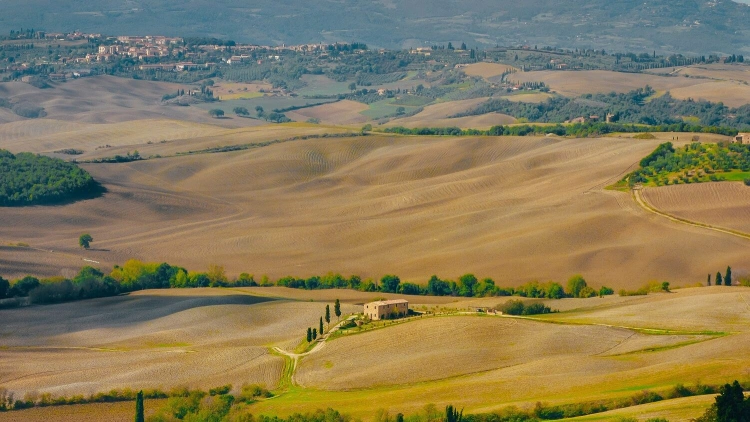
385, 309
742, 138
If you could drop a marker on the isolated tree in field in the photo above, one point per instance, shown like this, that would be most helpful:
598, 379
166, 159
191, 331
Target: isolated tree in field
259, 111
337, 309
575, 285
453, 415
328, 314
718, 279
463, 46
708, 281
85, 241
309, 334
241, 111
315, 333
216, 113
321, 325
665, 286
352, 87
400, 417
728, 277
139, 416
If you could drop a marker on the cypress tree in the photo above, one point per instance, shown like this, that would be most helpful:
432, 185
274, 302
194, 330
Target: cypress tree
309, 334
328, 314
337, 309
315, 333
708, 282
718, 279
728, 277
139, 417
321, 325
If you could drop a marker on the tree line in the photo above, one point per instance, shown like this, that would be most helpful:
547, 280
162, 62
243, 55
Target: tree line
640, 106
32, 179
135, 275
577, 130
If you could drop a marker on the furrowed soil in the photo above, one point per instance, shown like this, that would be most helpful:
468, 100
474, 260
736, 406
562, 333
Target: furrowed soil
375, 205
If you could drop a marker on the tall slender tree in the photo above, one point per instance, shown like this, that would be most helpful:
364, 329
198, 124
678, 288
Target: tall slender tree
718, 279
139, 415
328, 314
315, 333
321, 324
708, 282
309, 334
453, 415
728, 277
337, 309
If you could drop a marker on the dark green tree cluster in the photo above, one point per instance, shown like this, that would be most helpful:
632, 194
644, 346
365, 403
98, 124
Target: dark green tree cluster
731, 406
726, 280
30, 179
639, 106
517, 307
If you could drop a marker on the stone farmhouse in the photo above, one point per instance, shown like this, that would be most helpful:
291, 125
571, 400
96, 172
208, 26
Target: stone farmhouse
387, 309
742, 138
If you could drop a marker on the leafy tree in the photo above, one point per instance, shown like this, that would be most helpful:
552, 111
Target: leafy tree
22, 287
216, 113
241, 111
728, 277
84, 240
328, 316
606, 291
139, 416
731, 405
463, 46
337, 309
28, 179
665, 286
575, 285
4, 288
309, 334
259, 111
718, 279
353, 86
450, 47
467, 283
389, 283
400, 417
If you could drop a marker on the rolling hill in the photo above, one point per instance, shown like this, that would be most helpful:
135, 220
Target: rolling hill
686, 26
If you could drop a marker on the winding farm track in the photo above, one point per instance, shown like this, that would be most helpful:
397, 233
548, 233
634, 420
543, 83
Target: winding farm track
638, 196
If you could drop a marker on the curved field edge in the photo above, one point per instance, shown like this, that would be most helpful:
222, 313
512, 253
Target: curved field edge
641, 201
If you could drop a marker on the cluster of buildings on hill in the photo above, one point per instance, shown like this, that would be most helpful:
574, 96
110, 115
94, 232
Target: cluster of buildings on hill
139, 48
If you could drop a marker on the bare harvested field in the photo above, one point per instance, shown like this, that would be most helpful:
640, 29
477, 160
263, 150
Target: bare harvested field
437, 115
200, 338
376, 205
111, 412
109, 99
723, 204
149, 137
519, 362
731, 93
487, 70
480, 344
575, 83
724, 72
344, 112
537, 97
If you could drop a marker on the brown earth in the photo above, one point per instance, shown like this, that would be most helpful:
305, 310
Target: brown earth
413, 206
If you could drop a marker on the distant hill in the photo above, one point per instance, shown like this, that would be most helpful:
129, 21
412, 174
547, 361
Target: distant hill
686, 26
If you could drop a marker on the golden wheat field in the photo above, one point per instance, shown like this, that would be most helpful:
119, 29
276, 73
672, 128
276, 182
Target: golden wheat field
723, 204
374, 205
438, 115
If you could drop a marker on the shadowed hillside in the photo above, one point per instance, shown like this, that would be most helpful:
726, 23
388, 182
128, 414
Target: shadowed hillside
664, 25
